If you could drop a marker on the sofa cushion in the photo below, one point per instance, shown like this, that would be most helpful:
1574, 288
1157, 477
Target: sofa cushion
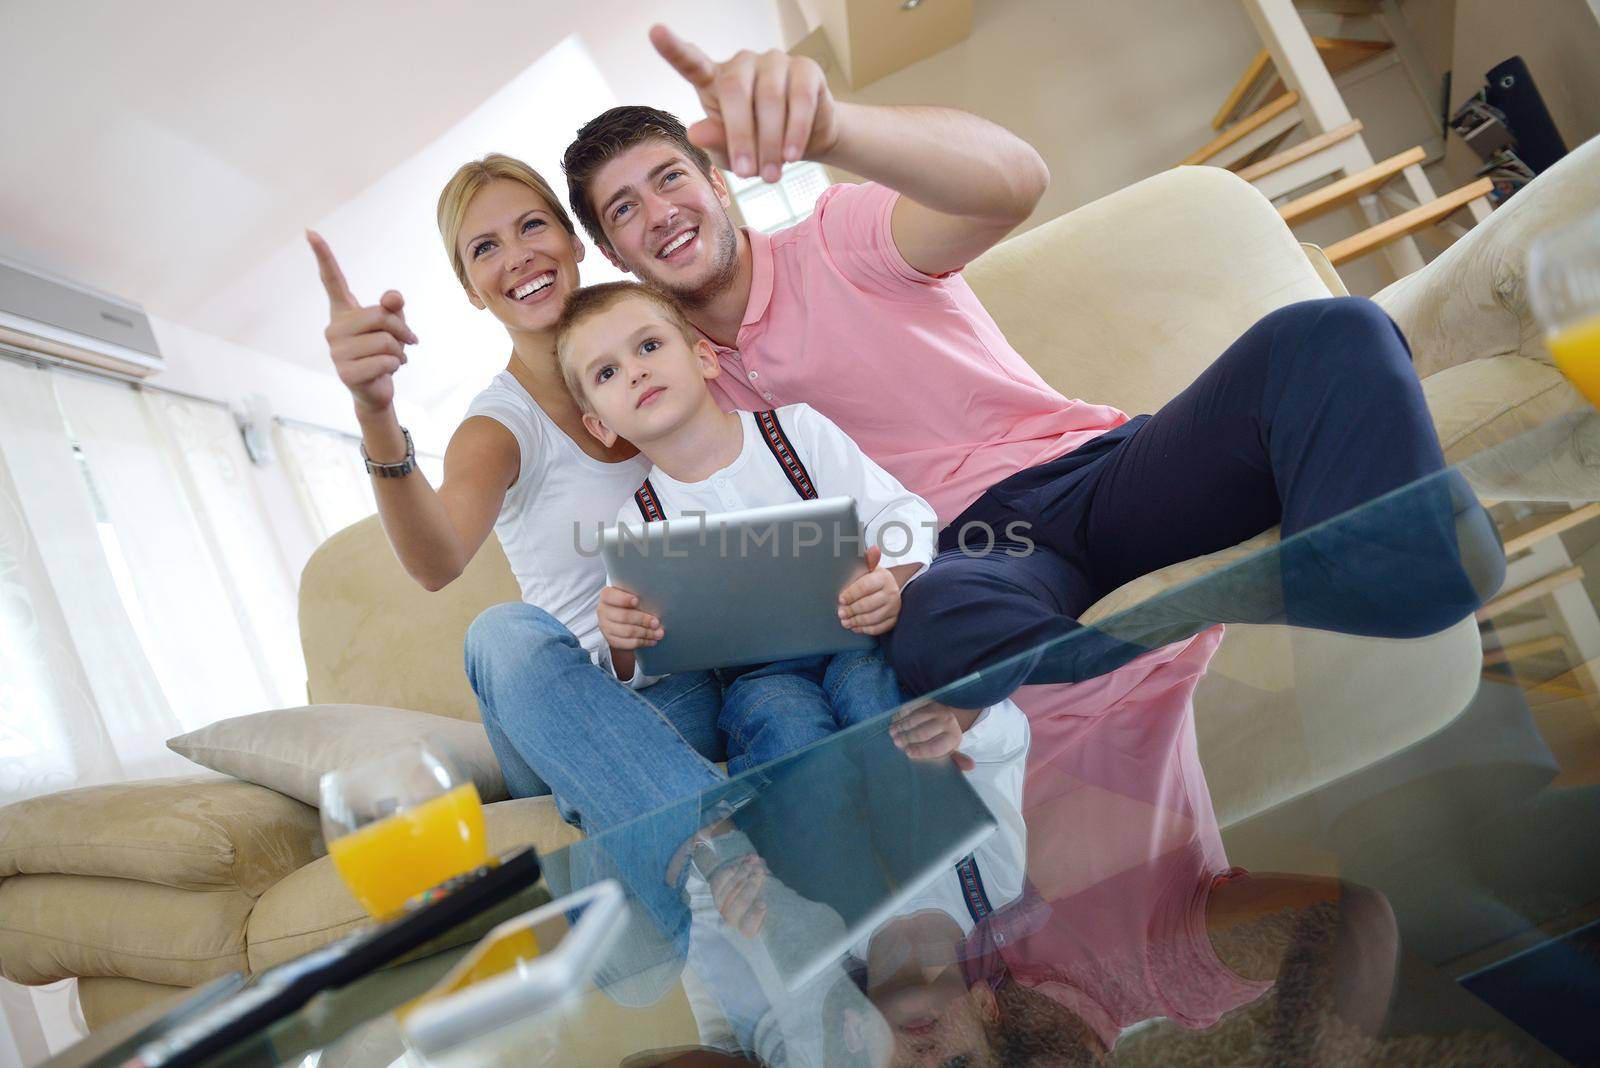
194, 833
1482, 403
289, 749
311, 907
57, 926
1145, 287
108, 998
372, 635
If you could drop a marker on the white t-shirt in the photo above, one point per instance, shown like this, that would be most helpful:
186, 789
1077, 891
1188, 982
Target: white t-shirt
997, 742
899, 522
750, 1008
550, 521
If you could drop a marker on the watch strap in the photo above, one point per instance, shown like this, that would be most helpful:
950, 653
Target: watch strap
398, 469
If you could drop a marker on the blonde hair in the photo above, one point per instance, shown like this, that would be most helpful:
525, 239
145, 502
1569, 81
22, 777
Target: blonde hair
465, 184
590, 301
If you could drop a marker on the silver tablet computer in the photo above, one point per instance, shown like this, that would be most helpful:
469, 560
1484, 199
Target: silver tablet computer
742, 587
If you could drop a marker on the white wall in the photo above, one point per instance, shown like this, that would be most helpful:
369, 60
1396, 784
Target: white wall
1113, 93
1109, 93
1559, 40
385, 237
219, 369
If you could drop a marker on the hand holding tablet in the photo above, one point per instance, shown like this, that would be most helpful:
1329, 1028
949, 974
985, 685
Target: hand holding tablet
738, 588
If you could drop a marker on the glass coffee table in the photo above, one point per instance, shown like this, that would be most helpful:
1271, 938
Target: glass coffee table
1357, 822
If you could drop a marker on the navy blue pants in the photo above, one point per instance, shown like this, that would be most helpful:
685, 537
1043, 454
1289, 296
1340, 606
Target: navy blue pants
1314, 411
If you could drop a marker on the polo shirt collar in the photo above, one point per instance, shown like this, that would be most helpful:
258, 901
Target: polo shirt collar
760, 276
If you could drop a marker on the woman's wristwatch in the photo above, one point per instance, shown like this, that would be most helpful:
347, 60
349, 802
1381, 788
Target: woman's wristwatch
398, 469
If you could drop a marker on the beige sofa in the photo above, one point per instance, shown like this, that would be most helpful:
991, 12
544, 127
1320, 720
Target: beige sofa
142, 888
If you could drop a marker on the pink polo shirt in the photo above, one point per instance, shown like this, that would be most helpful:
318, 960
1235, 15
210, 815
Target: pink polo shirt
1123, 845
908, 365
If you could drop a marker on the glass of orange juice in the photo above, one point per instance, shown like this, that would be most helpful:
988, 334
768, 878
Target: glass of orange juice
1564, 289
400, 823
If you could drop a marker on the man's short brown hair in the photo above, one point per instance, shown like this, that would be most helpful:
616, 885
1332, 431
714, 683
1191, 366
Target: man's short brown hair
586, 303
608, 135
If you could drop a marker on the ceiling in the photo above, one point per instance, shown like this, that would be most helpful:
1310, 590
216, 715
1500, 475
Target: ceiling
172, 153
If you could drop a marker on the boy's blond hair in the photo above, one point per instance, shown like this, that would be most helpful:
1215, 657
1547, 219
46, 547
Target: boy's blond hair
589, 301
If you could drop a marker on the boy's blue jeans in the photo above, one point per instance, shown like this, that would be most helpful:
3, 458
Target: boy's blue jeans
769, 710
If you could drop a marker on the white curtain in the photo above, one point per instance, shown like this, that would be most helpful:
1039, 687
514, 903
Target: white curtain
142, 594
192, 633
204, 447
326, 469
327, 472
79, 703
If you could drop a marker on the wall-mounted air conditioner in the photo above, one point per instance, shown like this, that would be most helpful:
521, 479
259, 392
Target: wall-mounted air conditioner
42, 314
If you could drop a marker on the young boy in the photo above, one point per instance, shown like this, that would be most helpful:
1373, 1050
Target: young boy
639, 372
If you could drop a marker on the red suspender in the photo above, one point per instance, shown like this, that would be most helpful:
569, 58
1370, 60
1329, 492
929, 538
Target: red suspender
649, 504
771, 433
972, 888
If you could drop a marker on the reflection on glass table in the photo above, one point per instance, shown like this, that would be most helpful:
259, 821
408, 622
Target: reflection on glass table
1380, 844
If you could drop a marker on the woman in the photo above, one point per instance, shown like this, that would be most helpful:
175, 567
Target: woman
522, 464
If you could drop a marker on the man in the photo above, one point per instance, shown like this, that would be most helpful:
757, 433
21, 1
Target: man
861, 312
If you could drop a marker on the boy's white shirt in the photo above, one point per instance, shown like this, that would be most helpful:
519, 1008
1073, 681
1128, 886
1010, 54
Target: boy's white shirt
783, 1026
998, 743
837, 467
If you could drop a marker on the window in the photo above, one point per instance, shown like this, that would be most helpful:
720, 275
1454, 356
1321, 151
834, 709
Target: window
772, 207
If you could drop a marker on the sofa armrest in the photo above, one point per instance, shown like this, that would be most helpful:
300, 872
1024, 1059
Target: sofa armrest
1480, 404
1325, 269
1126, 300
1471, 302
193, 833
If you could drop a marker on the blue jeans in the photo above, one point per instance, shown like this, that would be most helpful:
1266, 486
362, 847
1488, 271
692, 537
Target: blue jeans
1312, 412
559, 724
772, 709
611, 755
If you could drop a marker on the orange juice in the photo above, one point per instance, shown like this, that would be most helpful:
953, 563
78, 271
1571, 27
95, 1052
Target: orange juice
392, 859
1576, 350
505, 954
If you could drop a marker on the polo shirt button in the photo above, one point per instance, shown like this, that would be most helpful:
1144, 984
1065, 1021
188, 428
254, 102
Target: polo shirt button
766, 396
754, 376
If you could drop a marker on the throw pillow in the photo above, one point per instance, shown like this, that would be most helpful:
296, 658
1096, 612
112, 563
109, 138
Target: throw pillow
289, 749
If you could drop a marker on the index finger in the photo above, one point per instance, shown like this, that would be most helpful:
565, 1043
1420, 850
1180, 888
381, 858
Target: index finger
339, 296
617, 596
695, 66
